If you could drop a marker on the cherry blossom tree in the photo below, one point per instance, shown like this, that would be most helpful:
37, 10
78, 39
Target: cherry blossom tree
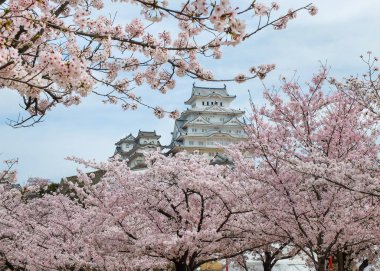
10, 198
56, 52
39, 232
51, 235
364, 89
311, 153
294, 183
260, 225
9, 174
271, 254
268, 255
175, 214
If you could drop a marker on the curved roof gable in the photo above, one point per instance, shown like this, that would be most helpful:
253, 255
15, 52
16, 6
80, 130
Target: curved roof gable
128, 138
234, 121
198, 120
208, 92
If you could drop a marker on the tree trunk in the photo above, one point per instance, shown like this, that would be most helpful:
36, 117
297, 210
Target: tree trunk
321, 264
267, 266
341, 261
344, 261
363, 265
267, 263
181, 266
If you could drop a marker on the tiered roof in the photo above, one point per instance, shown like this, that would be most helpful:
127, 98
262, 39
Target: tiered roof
129, 138
203, 92
147, 134
204, 117
213, 110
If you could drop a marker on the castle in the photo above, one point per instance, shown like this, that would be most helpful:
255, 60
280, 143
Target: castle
205, 126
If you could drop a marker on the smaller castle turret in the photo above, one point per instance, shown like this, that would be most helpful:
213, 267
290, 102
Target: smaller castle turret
133, 148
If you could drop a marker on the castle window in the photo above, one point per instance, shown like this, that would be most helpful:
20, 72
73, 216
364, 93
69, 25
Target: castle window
212, 103
207, 103
221, 104
200, 143
191, 143
216, 103
194, 130
203, 103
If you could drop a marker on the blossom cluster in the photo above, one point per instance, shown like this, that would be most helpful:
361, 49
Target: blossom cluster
317, 156
55, 52
306, 179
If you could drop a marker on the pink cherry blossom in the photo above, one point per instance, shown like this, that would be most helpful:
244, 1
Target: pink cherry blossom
313, 171
55, 52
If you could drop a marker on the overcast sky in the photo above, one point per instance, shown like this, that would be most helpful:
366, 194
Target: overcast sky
338, 35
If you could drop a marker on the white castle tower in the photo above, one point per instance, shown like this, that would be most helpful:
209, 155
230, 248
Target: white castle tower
207, 122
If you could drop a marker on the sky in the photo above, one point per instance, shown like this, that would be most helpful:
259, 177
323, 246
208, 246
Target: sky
337, 35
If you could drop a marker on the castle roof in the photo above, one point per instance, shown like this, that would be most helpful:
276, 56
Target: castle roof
128, 138
198, 92
136, 142
147, 134
213, 110
220, 159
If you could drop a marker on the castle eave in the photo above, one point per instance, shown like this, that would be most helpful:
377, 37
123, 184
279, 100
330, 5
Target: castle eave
216, 95
213, 112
